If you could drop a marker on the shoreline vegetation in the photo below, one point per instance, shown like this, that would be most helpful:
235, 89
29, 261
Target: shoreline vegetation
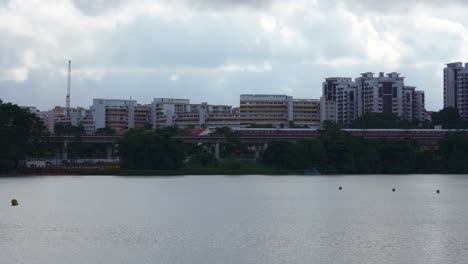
144, 151
225, 167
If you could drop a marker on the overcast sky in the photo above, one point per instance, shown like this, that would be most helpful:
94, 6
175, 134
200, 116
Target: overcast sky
214, 50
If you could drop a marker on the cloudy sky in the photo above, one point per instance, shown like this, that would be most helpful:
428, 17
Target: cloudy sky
214, 50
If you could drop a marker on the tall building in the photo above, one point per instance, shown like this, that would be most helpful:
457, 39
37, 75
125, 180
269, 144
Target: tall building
339, 100
388, 94
419, 110
456, 87
113, 113
344, 100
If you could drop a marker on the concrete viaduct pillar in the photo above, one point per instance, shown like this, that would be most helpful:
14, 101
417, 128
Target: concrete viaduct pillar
109, 151
257, 150
65, 151
216, 150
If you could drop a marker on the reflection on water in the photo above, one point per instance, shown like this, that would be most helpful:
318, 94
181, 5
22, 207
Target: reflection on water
248, 219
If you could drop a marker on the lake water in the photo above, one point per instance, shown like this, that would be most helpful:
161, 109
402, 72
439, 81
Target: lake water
234, 219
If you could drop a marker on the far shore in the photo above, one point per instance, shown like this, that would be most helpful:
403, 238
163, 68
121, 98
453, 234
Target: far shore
208, 171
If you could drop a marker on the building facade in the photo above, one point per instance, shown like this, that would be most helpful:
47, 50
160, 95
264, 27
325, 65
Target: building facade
265, 109
78, 116
339, 100
306, 113
113, 113
181, 113
456, 87
344, 100
278, 111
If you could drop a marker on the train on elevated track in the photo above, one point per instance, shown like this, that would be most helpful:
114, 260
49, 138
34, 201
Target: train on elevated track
368, 133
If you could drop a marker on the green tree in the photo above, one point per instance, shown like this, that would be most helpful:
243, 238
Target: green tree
366, 156
22, 134
106, 131
397, 156
452, 149
309, 153
337, 144
457, 161
280, 154
204, 159
381, 120
146, 149
448, 118
62, 129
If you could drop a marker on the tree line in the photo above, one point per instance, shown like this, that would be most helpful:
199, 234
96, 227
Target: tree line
23, 134
337, 152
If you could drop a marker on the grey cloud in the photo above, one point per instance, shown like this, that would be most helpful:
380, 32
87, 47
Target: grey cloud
4, 3
207, 42
229, 3
96, 7
398, 5
152, 43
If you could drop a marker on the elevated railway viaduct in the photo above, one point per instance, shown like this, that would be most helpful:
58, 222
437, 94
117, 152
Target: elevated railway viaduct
258, 139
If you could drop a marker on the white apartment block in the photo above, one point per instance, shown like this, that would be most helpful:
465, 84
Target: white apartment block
388, 94
382, 94
114, 113
339, 100
344, 100
181, 113
456, 87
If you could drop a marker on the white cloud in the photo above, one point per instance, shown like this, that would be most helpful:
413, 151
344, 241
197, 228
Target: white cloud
230, 67
217, 42
14, 75
173, 77
268, 23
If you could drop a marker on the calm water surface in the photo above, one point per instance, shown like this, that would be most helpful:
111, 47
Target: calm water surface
240, 219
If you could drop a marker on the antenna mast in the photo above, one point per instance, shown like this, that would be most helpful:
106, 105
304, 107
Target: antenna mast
68, 88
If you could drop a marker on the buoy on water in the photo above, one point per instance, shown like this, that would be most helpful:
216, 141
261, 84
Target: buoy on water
14, 202
339, 188
438, 191
393, 189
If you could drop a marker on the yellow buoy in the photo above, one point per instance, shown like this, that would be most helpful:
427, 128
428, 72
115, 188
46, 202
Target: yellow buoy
14, 202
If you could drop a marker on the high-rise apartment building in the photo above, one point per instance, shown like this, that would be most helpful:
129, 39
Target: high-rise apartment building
339, 100
385, 94
419, 110
456, 87
344, 100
